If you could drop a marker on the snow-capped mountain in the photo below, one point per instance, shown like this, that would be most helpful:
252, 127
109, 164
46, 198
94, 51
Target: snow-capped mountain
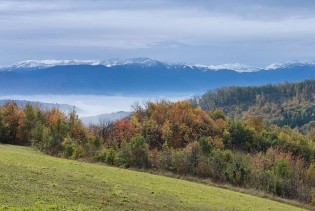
236, 67
119, 62
51, 63
107, 63
38, 64
290, 64
140, 76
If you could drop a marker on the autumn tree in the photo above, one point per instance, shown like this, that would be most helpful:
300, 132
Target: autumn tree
176, 123
11, 115
121, 130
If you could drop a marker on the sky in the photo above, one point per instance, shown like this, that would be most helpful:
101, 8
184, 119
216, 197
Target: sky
207, 32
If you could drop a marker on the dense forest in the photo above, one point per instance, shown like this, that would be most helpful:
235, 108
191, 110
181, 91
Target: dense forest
291, 104
180, 138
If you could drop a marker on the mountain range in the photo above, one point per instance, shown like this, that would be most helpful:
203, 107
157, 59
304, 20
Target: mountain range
139, 76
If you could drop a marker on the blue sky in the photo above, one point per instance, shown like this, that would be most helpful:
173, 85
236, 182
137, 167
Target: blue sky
206, 32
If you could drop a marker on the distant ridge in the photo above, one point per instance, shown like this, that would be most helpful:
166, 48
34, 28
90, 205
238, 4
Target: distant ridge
140, 76
291, 104
41, 105
150, 62
105, 117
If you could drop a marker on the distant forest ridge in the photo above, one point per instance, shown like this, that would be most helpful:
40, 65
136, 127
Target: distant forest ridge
41, 105
289, 104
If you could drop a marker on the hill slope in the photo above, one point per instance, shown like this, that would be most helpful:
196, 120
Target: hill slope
32, 180
139, 76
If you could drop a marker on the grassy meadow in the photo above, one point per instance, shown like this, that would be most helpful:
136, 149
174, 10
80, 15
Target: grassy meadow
31, 180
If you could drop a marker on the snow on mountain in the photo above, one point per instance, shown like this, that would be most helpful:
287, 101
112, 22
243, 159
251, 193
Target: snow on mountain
106, 62
139, 76
293, 63
116, 62
150, 62
236, 67
51, 63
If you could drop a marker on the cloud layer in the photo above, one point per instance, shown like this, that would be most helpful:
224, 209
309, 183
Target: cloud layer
208, 32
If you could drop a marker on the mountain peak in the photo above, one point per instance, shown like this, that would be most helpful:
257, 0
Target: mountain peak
289, 64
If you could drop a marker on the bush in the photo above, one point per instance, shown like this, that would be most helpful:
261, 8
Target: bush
238, 170
68, 147
111, 156
204, 167
165, 160
134, 154
280, 175
124, 155
78, 152
311, 173
139, 152
193, 151
181, 162
100, 155
219, 161
37, 135
313, 198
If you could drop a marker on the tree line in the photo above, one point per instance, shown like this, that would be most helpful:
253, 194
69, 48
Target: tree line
176, 137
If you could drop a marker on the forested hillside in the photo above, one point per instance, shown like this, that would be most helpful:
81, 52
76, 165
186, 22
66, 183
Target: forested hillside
291, 104
178, 138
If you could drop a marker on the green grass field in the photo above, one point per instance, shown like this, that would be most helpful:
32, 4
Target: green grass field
33, 181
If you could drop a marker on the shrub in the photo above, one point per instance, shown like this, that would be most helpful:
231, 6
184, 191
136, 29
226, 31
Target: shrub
153, 158
181, 162
124, 155
238, 170
68, 147
280, 174
111, 156
78, 152
134, 153
313, 198
311, 173
139, 150
193, 151
37, 135
204, 166
219, 161
165, 159
100, 155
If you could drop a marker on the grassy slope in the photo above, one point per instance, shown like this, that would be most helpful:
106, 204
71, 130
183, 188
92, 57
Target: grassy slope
31, 179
